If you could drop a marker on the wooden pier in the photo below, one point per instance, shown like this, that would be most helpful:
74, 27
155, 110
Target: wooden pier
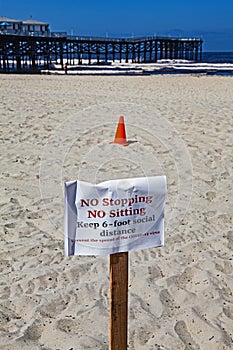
29, 53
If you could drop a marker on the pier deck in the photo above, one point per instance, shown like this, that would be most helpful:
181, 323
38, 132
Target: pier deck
20, 53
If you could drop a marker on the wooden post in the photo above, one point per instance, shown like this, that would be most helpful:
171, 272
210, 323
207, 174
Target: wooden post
80, 53
133, 53
98, 53
145, 51
151, 49
89, 53
127, 53
18, 58
33, 55
156, 50
61, 53
161, 49
118, 301
166, 49
113, 52
106, 52
120, 51
200, 52
139, 52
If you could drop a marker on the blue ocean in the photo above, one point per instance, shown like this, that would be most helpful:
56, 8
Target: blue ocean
217, 57
218, 63
220, 58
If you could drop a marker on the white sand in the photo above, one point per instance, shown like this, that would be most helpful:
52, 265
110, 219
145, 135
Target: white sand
180, 296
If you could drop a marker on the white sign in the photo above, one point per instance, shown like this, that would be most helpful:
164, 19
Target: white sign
114, 216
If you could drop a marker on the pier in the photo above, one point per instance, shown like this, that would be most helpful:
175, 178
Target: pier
32, 53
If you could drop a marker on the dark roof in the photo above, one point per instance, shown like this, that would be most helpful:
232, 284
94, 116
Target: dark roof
33, 21
9, 20
27, 21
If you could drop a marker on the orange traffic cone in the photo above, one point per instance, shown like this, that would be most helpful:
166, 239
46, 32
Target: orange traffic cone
120, 136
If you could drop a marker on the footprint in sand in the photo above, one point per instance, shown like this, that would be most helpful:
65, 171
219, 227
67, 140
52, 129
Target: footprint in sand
184, 335
167, 301
210, 195
230, 240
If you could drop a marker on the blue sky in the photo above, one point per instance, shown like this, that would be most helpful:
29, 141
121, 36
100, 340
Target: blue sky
212, 20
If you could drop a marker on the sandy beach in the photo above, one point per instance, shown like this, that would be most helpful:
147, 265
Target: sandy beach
56, 128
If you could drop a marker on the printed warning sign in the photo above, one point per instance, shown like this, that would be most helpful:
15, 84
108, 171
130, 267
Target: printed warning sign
114, 216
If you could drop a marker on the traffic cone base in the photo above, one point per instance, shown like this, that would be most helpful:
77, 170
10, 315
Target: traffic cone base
119, 142
120, 136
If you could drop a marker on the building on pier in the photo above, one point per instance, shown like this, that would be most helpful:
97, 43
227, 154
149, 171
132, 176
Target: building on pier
29, 27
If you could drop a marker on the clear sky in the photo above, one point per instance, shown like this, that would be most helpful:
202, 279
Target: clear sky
210, 19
